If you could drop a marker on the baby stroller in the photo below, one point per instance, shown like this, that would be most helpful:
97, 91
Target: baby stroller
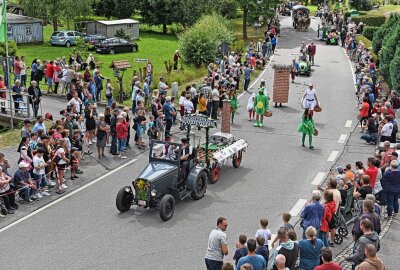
342, 230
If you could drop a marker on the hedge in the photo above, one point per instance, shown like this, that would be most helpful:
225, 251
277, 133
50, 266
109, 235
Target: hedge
384, 30
370, 20
369, 31
394, 70
347, 14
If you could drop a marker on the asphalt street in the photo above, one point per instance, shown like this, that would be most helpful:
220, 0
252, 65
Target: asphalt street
85, 230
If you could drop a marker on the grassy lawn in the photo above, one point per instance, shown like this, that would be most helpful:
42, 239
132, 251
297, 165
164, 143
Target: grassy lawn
156, 47
13, 137
252, 33
385, 9
313, 9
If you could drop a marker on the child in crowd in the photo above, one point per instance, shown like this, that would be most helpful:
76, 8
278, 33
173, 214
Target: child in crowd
250, 107
140, 121
33, 143
152, 132
292, 235
285, 218
262, 249
348, 172
241, 249
74, 163
264, 232
160, 126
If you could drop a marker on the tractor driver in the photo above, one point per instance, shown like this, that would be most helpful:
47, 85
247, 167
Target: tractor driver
186, 156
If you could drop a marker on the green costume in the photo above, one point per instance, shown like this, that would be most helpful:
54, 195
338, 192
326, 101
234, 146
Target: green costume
261, 105
307, 128
234, 105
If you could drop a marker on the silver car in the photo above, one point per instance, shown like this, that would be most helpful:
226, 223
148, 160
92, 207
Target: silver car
64, 38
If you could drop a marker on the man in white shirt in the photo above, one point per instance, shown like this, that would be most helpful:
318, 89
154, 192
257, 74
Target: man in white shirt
232, 60
135, 89
387, 129
215, 103
162, 86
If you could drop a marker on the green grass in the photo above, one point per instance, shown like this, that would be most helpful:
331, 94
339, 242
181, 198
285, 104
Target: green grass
368, 44
384, 9
252, 33
154, 46
313, 9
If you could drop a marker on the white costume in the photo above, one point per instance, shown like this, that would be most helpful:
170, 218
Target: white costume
309, 101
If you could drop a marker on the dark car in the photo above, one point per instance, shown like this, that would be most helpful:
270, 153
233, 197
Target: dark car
93, 39
162, 182
116, 45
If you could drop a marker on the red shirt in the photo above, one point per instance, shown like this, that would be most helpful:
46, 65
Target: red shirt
371, 172
3, 87
329, 210
329, 266
364, 110
122, 130
49, 70
17, 67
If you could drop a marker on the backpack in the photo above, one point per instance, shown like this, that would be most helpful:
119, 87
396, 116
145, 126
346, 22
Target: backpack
334, 222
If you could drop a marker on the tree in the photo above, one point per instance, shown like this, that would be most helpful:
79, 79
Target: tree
105, 8
255, 8
124, 9
55, 10
384, 31
389, 45
199, 44
395, 71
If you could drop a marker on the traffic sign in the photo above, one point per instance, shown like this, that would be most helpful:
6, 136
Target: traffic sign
140, 60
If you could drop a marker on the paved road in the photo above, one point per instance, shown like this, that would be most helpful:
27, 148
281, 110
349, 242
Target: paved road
85, 231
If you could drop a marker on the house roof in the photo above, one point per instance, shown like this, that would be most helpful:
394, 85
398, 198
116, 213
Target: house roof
116, 22
120, 64
16, 19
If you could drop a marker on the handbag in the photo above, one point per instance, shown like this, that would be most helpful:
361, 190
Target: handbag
317, 109
315, 133
268, 113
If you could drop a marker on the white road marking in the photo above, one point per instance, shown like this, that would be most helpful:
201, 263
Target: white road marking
318, 179
342, 138
348, 123
297, 207
259, 77
333, 156
67, 196
352, 70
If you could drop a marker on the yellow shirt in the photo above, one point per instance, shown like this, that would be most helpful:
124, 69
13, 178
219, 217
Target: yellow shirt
202, 104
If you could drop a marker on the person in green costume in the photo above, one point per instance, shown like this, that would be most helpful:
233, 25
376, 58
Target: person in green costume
234, 103
307, 127
261, 105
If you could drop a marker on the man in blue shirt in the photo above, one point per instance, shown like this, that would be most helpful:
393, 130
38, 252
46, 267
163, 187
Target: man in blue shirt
169, 112
39, 125
312, 213
247, 72
257, 261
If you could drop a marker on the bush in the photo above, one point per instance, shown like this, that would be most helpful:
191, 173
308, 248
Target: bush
370, 20
12, 48
362, 4
394, 70
389, 46
369, 31
121, 33
199, 44
384, 30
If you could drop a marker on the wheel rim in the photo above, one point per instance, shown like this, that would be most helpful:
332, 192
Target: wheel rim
215, 173
239, 158
68, 44
112, 51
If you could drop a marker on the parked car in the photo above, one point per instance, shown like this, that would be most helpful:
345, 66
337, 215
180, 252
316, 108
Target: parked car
93, 39
116, 45
65, 38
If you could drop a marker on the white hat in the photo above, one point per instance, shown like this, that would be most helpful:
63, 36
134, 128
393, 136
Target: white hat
310, 84
23, 165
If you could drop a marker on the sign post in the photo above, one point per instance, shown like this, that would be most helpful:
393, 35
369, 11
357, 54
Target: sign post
118, 66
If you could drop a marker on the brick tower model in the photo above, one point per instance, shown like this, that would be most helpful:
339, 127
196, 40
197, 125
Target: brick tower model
281, 83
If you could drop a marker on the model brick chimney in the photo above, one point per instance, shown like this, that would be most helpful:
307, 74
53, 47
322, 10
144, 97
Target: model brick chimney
281, 84
226, 116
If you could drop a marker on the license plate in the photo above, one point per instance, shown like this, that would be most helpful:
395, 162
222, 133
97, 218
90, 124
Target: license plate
142, 203
98, 50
